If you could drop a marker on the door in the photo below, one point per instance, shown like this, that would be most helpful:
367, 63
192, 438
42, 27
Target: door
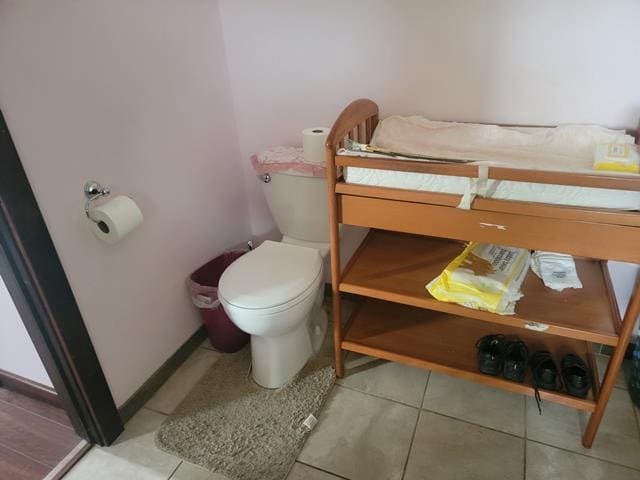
38, 286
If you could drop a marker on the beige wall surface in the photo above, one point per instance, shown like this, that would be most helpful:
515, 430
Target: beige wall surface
135, 95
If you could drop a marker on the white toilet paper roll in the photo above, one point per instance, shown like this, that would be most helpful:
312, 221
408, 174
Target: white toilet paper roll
313, 140
115, 218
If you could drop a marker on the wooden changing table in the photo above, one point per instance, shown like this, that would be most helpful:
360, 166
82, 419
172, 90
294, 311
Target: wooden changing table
415, 234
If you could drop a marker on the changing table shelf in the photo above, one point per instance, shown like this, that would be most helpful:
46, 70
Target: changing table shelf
445, 343
397, 266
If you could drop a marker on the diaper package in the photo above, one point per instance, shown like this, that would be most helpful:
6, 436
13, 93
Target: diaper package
483, 277
617, 157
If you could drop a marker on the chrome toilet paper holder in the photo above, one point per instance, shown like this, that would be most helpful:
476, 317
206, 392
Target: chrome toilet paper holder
93, 191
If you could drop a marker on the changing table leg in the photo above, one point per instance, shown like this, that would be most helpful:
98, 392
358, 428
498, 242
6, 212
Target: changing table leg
336, 308
629, 321
337, 332
334, 238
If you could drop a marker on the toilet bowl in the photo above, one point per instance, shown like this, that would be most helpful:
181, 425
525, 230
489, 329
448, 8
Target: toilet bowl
275, 293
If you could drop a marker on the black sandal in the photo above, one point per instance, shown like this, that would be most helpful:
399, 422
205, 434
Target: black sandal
545, 374
515, 360
575, 375
490, 352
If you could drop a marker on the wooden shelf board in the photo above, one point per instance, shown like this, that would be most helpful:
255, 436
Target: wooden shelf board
446, 343
396, 267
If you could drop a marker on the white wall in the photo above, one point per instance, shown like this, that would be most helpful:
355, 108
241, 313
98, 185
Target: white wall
17, 353
135, 95
296, 64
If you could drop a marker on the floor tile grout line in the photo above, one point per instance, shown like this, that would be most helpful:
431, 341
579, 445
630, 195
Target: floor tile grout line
619, 387
413, 438
379, 397
298, 453
155, 411
524, 470
424, 393
175, 470
415, 427
636, 413
211, 349
37, 414
472, 423
524, 459
321, 470
22, 454
610, 462
526, 400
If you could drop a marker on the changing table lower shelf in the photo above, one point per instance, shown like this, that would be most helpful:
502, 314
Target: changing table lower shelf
446, 343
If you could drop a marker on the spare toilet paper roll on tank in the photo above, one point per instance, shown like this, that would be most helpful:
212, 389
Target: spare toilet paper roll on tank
115, 218
313, 140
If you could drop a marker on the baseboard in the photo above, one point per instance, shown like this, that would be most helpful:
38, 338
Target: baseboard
29, 388
68, 462
153, 384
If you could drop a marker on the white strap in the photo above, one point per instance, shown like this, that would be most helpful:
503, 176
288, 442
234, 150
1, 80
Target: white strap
483, 179
469, 195
477, 186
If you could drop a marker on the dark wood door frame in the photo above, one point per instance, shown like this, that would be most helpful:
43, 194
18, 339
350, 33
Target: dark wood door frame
34, 276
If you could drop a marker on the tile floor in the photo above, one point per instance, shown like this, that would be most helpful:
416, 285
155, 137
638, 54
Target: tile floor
387, 421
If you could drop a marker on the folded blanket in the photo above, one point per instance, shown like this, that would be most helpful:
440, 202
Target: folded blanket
289, 160
563, 148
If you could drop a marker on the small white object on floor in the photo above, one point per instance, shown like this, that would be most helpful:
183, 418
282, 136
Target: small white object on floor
310, 421
557, 270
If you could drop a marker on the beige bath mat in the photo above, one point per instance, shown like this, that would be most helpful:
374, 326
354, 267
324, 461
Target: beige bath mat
231, 426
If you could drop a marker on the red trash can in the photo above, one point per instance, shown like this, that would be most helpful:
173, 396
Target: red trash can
203, 285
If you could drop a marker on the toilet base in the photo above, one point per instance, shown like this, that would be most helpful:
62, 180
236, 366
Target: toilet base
276, 360
318, 329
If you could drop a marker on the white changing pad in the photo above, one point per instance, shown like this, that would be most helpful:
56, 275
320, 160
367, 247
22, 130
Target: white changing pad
498, 189
564, 148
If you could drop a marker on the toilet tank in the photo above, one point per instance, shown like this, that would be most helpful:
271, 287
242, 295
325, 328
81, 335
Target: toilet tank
299, 206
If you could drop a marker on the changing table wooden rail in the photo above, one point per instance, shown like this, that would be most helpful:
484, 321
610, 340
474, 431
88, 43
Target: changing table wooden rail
579, 179
417, 233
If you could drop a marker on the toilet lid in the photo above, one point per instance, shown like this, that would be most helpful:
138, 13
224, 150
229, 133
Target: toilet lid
271, 275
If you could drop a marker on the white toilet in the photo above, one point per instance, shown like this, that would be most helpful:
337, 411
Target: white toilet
275, 292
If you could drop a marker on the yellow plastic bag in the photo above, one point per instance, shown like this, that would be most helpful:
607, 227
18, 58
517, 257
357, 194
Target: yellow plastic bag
483, 277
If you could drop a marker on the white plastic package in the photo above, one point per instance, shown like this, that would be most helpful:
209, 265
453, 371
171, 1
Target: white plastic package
617, 157
557, 270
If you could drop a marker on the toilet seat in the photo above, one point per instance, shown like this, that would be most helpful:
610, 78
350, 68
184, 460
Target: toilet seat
273, 277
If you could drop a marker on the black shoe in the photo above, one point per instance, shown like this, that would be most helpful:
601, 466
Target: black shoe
576, 375
545, 374
515, 360
490, 351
